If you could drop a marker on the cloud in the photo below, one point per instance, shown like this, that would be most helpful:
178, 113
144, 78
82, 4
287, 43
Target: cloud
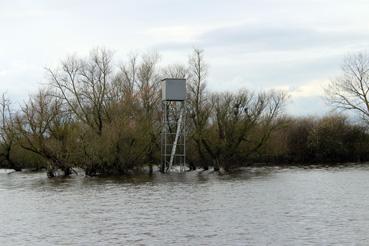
286, 44
308, 99
279, 37
253, 38
311, 89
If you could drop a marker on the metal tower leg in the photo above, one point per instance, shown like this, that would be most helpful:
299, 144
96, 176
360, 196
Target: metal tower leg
178, 132
173, 136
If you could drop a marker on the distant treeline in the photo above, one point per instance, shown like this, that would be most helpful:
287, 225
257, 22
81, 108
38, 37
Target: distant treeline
326, 140
106, 119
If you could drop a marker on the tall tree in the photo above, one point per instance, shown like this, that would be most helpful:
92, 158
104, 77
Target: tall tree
199, 105
43, 126
236, 117
350, 91
8, 134
84, 85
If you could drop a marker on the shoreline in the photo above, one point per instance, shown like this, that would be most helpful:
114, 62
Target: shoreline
251, 167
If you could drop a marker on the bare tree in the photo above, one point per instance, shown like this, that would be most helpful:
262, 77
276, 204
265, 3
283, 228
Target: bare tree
235, 117
269, 110
177, 71
125, 81
43, 129
148, 83
7, 134
350, 91
139, 78
84, 85
148, 93
137, 89
199, 105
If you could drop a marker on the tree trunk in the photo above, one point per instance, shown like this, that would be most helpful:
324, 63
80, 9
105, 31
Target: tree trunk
50, 172
67, 171
151, 169
216, 165
90, 171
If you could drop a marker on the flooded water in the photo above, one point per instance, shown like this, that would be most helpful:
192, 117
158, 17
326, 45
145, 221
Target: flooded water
326, 206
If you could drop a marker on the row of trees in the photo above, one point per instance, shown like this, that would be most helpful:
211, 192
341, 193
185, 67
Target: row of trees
325, 140
105, 119
332, 138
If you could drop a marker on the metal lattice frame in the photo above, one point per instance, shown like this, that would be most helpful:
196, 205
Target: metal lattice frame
173, 135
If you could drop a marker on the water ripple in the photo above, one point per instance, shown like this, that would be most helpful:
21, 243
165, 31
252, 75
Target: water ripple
252, 207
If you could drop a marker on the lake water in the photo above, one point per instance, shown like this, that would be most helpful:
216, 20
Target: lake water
265, 206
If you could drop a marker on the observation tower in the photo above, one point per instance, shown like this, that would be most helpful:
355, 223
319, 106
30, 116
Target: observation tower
173, 133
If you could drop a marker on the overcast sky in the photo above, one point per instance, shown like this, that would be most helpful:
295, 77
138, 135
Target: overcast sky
295, 45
